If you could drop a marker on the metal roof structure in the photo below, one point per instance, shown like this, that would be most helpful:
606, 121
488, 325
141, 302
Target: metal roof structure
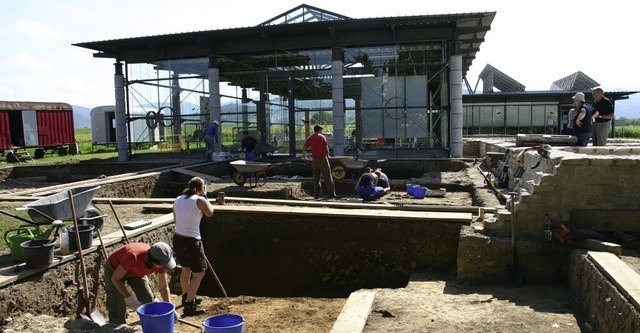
307, 28
302, 14
494, 78
575, 81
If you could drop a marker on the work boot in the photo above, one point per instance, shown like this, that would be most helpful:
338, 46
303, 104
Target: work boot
192, 309
197, 299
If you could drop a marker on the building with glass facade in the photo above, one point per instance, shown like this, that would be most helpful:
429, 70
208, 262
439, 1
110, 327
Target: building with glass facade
374, 84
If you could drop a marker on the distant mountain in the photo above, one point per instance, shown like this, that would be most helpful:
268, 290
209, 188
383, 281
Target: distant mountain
81, 116
629, 109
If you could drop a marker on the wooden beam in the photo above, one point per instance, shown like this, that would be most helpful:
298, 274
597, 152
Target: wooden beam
355, 312
597, 245
454, 217
197, 174
626, 280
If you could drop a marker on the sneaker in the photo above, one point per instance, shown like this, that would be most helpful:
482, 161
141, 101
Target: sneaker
192, 309
333, 196
197, 299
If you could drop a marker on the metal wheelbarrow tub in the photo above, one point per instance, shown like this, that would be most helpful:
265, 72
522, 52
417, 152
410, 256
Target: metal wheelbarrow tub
245, 168
346, 163
57, 207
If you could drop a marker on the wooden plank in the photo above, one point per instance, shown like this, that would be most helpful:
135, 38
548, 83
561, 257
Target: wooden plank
454, 217
597, 245
620, 274
355, 312
606, 220
197, 174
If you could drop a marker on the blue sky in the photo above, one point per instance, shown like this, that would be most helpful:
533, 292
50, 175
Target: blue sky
535, 42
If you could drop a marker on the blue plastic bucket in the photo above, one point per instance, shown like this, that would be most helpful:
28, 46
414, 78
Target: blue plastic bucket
419, 192
227, 323
409, 189
157, 317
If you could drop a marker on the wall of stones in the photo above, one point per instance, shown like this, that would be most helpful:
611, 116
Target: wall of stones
608, 310
571, 178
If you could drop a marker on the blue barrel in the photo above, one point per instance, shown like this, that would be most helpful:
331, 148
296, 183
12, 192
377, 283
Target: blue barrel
157, 317
227, 323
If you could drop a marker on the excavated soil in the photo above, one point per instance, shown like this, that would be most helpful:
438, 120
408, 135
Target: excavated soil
434, 304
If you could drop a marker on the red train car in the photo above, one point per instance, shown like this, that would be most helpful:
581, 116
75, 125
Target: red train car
48, 126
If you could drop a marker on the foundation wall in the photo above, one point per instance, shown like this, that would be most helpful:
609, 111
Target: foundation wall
293, 255
608, 310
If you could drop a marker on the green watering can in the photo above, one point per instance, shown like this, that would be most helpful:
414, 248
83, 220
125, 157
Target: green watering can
15, 237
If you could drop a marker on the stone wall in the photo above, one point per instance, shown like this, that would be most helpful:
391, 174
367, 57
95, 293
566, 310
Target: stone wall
608, 310
571, 178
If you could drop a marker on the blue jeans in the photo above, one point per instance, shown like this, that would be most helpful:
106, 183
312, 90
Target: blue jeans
369, 191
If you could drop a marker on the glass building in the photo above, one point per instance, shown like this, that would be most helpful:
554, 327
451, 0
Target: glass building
376, 85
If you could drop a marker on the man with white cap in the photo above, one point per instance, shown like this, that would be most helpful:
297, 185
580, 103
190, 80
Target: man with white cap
583, 128
211, 137
131, 264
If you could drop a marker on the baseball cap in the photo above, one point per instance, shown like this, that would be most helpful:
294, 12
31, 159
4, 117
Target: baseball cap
215, 122
162, 252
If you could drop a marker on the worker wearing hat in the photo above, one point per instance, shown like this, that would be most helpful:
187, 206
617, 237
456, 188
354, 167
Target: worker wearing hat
583, 127
132, 263
211, 137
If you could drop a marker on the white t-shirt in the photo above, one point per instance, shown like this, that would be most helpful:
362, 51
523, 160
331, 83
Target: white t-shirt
188, 216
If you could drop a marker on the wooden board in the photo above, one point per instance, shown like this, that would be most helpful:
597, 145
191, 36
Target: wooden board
626, 280
606, 220
196, 174
597, 245
355, 312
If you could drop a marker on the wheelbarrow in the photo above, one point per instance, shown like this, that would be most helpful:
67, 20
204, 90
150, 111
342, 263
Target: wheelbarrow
343, 165
53, 209
250, 169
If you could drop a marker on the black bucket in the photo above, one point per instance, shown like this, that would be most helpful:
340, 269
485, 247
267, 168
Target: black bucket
38, 252
86, 237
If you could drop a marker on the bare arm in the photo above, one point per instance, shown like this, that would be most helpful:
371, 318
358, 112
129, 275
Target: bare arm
304, 152
163, 287
117, 280
204, 205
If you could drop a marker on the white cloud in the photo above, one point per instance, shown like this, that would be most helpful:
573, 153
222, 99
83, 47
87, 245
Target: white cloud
26, 61
37, 30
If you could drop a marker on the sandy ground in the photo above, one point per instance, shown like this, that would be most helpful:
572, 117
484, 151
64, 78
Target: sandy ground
430, 303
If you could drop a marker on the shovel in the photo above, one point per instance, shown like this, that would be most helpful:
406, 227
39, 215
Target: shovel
95, 315
515, 276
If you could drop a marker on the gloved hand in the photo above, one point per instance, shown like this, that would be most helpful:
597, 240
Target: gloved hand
132, 302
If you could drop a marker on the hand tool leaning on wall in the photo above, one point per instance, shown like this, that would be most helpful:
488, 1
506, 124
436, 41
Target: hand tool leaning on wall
93, 315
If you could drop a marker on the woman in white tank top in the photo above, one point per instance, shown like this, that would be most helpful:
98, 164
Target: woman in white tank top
188, 210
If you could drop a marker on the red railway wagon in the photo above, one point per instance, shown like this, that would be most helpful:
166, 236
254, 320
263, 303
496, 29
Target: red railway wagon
41, 125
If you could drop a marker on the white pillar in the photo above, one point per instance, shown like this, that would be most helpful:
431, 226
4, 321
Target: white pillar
214, 99
337, 93
121, 117
455, 121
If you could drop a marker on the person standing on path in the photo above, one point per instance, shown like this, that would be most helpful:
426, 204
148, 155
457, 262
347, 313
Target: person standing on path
211, 137
188, 210
583, 128
602, 125
320, 162
132, 263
